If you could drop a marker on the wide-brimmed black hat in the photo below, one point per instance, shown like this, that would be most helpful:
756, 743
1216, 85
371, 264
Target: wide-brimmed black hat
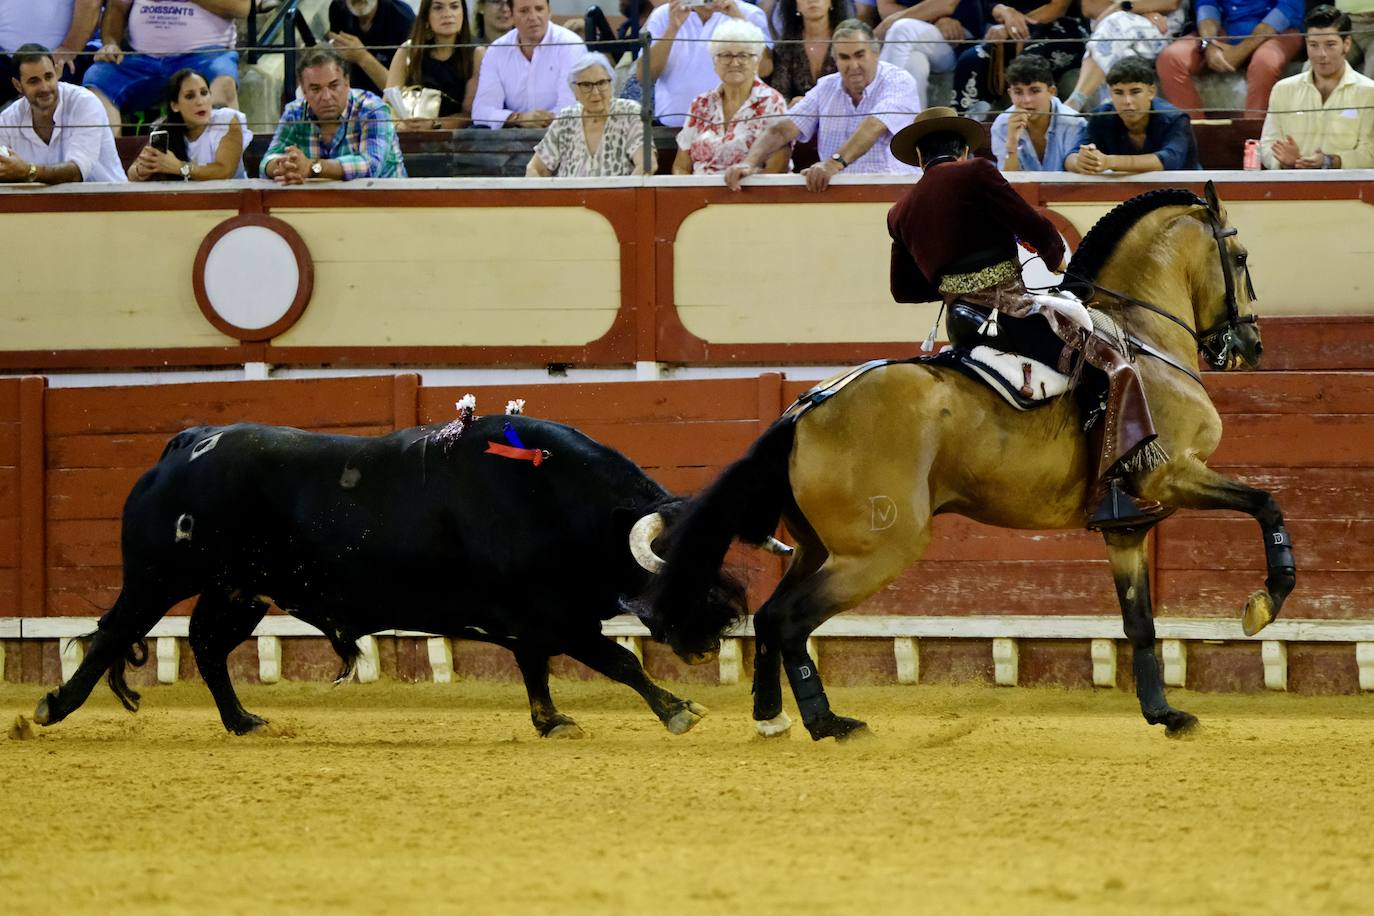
936, 121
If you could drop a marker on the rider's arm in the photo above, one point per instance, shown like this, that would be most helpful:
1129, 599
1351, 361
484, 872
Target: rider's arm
908, 283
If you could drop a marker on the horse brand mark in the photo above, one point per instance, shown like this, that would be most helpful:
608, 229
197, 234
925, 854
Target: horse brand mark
884, 513
204, 445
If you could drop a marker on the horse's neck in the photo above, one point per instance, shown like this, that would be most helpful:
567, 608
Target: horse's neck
1156, 262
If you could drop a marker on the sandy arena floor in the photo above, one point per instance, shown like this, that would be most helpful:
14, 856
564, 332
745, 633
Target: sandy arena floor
439, 798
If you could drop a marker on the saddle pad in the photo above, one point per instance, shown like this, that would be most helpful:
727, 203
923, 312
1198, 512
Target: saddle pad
1023, 382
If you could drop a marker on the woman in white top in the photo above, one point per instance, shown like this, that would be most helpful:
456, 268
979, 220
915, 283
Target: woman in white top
203, 143
597, 137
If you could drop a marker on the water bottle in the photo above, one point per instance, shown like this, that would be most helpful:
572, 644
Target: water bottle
1252, 156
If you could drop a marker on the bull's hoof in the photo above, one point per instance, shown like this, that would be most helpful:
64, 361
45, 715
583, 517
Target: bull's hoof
686, 718
1259, 613
249, 725
780, 726
42, 714
568, 729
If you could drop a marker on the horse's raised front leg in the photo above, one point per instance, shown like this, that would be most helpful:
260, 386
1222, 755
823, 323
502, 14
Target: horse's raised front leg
1190, 484
1126, 551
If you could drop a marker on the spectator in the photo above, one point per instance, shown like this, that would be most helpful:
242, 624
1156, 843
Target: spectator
679, 61
1228, 35
203, 143
334, 132
917, 35
1038, 132
1122, 28
55, 132
856, 111
63, 25
1322, 118
438, 57
492, 19
1019, 27
163, 38
595, 137
523, 76
723, 124
1135, 132
802, 54
1361, 32
366, 33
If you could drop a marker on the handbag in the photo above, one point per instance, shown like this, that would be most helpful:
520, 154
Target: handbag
416, 102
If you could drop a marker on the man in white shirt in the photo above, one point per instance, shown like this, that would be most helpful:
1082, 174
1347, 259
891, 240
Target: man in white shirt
166, 36
523, 79
56, 132
63, 25
680, 59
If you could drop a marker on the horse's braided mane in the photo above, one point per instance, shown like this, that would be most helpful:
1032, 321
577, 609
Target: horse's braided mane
1097, 246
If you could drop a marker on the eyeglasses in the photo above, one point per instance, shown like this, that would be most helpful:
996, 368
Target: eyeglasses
592, 85
735, 57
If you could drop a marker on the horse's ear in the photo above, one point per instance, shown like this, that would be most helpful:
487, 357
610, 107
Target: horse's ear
1213, 203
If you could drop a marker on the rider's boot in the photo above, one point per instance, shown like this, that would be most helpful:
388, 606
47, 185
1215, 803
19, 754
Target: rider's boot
1123, 443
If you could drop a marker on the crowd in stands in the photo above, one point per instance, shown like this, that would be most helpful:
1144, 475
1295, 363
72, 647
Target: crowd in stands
820, 86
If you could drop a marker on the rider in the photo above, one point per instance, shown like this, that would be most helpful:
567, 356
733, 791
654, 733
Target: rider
954, 237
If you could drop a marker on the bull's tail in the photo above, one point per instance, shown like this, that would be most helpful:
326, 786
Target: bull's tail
136, 655
746, 501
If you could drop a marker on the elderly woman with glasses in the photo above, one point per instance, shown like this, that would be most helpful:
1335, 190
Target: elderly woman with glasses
598, 136
723, 124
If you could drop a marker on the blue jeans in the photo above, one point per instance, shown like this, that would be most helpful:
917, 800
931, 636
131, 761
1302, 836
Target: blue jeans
140, 80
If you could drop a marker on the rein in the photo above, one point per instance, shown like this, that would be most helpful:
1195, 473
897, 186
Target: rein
1217, 344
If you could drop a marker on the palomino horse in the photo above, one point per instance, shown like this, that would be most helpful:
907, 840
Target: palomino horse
857, 479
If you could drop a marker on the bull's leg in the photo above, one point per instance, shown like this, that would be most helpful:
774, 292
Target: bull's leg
1190, 484
605, 656
1126, 551
218, 624
123, 625
548, 721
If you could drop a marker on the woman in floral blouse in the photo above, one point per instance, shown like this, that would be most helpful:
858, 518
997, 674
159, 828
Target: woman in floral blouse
723, 124
597, 137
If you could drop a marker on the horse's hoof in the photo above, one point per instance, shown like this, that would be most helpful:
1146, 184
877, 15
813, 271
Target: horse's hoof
568, 729
685, 718
1180, 724
249, 725
42, 715
847, 729
1259, 613
780, 726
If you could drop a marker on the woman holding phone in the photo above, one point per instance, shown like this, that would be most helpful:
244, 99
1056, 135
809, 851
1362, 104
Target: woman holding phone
195, 141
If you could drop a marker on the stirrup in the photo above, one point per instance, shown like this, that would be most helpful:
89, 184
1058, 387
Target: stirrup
1119, 509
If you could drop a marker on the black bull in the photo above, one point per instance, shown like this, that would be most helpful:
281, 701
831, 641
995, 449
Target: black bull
420, 530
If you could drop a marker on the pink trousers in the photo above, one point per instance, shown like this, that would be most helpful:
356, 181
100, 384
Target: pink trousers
1178, 63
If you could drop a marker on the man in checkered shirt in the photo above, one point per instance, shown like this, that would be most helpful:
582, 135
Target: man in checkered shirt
335, 132
857, 110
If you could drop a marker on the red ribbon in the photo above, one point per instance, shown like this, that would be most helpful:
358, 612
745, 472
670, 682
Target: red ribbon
533, 455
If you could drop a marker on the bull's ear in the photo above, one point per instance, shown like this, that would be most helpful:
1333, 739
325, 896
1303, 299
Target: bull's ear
1213, 202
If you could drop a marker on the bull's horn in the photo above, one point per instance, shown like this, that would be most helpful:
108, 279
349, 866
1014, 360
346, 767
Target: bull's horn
775, 546
642, 542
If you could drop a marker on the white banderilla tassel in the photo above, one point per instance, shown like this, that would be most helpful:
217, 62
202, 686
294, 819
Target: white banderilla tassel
989, 328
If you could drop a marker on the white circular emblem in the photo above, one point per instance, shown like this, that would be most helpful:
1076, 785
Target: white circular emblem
251, 277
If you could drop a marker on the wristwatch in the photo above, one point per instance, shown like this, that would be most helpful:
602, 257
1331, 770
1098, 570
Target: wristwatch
1204, 44
185, 171
844, 163
33, 171
317, 167
1126, 6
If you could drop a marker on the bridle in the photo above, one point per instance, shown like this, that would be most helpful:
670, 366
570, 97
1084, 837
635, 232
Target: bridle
1220, 344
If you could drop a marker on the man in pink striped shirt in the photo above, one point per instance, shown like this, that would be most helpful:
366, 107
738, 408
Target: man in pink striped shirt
856, 112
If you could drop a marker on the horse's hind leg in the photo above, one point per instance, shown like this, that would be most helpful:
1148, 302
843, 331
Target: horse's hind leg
1126, 551
769, 717
1190, 484
119, 629
548, 721
218, 624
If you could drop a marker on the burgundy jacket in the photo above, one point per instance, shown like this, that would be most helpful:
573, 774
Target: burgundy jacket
961, 217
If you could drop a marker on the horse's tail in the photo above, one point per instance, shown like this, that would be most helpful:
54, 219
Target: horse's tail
746, 501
